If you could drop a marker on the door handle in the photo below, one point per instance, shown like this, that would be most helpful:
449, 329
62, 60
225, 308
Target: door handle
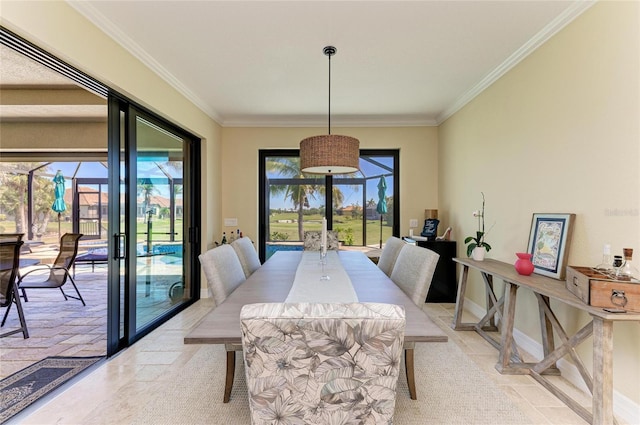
120, 242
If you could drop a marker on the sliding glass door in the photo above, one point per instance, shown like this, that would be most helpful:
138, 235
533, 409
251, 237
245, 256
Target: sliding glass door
292, 202
155, 225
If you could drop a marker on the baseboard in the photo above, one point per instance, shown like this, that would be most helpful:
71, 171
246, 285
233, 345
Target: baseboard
623, 407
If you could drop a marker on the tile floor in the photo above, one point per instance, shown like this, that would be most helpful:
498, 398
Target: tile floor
67, 328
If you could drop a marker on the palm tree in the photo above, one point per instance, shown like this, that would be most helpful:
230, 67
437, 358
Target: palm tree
298, 194
146, 189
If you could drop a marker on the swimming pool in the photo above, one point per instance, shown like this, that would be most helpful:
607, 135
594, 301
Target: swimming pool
273, 247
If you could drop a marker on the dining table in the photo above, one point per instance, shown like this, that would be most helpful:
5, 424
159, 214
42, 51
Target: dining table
273, 282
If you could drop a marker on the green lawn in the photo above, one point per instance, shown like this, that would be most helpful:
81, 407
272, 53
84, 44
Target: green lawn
159, 230
284, 223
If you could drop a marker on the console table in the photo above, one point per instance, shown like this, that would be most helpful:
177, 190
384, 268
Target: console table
545, 289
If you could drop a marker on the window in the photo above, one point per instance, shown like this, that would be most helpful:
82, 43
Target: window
292, 203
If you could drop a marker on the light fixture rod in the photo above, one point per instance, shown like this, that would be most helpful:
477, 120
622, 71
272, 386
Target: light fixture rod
329, 51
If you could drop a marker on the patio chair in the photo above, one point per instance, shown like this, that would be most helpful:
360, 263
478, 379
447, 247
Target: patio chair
11, 237
247, 255
389, 254
224, 274
322, 363
9, 265
59, 271
412, 272
312, 240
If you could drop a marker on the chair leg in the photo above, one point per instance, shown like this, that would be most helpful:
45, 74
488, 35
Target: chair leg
231, 369
63, 294
79, 297
6, 313
409, 371
23, 321
24, 295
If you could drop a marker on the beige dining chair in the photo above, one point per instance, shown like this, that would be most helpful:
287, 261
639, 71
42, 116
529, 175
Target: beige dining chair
9, 295
413, 272
224, 274
322, 363
247, 255
389, 254
313, 240
59, 273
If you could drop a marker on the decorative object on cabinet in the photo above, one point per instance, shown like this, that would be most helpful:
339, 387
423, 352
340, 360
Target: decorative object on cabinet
430, 229
549, 241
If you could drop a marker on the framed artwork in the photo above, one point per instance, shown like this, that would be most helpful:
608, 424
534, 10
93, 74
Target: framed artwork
549, 240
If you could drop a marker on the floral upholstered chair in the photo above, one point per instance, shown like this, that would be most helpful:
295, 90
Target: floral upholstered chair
313, 240
322, 363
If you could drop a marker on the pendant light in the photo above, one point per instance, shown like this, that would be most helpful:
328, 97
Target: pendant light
330, 153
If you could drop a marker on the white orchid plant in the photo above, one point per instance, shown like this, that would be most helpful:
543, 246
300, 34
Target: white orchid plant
479, 239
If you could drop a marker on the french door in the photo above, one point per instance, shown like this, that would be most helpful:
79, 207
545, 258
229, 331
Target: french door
153, 224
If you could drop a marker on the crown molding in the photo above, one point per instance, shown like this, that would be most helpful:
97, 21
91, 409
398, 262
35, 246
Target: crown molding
104, 24
573, 11
561, 21
336, 122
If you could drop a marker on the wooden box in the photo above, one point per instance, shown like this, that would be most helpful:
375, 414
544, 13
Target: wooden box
599, 290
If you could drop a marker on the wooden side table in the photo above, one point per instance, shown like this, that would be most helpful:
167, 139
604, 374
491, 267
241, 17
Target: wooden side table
545, 289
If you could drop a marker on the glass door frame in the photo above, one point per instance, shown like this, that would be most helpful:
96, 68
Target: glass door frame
263, 190
122, 324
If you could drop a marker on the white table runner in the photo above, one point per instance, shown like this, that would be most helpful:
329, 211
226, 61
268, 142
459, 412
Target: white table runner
307, 286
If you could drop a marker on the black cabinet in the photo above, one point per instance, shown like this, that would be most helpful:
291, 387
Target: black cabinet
444, 286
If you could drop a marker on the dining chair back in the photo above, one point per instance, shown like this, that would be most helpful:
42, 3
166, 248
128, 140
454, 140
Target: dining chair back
389, 254
247, 255
9, 295
59, 271
313, 240
11, 237
322, 363
413, 271
223, 270
224, 274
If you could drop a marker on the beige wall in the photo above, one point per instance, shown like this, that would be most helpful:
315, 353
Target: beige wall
59, 29
240, 146
559, 133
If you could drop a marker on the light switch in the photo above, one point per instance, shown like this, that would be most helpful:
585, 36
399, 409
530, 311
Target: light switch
413, 222
230, 222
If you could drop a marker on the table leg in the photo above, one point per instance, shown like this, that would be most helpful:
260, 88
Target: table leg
462, 287
490, 297
508, 317
409, 371
231, 370
548, 344
602, 371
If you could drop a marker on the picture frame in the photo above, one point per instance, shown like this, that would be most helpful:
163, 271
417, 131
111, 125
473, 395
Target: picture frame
549, 240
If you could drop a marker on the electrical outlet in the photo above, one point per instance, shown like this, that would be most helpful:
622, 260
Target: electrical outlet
230, 222
413, 222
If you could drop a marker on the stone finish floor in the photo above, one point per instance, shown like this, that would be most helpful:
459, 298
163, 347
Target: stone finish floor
58, 327
66, 328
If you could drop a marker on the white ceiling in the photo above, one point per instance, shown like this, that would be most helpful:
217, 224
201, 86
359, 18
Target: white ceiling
398, 62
